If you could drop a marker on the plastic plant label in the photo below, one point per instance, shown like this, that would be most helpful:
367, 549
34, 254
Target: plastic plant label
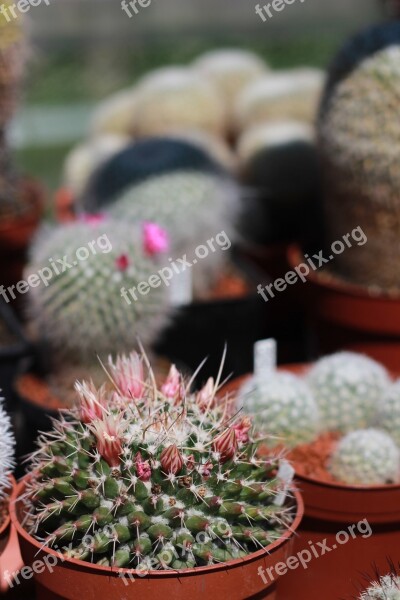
286, 474
265, 360
181, 289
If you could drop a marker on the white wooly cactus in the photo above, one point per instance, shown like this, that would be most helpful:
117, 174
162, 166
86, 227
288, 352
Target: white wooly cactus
387, 588
290, 94
178, 97
7, 445
84, 159
115, 115
389, 411
81, 310
231, 70
348, 388
283, 406
194, 207
366, 457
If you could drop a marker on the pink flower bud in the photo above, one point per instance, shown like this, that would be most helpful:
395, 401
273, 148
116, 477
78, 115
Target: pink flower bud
205, 470
242, 430
128, 374
226, 445
93, 218
171, 460
108, 435
172, 387
122, 262
92, 402
205, 397
155, 239
190, 462
143, 469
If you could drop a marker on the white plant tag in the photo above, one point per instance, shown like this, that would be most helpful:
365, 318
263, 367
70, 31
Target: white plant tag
265, 359
181, 289
286, 474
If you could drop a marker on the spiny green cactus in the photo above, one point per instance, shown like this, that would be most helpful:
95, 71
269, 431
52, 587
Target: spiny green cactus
387, 588
389, 411
194, 207
348, 388
7, 444
359, 138
138, 472
176, 97
284, 406
81, 310
366, 457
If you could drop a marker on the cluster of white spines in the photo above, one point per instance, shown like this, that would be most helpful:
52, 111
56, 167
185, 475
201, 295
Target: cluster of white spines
366, 457
348, 388
284, 405
387, 588
7, 445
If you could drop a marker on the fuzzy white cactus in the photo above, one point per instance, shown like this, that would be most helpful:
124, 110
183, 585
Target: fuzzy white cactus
348, 388
115, 115
283, 406
366, 457
7, 445
387, 588
389, 411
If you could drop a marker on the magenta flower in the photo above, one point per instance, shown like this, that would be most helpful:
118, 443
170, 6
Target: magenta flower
205, 397
242, 430
93, 402
155, 239
143, 469
171, 460
108, 433
128, 374
122, 262
173, 387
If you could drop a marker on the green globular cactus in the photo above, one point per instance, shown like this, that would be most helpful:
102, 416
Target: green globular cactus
387, 588
7, 445
194, 207
348, 388
359, 140
366, 457
87, 308
284, 406
155, 477
389, 411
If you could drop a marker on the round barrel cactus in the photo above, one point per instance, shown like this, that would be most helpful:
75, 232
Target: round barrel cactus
86, 307
348, 388
150, 476
7, 445
366, 457
389, 411
284, 406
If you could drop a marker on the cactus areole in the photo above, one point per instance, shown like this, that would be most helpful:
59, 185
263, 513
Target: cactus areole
137, 478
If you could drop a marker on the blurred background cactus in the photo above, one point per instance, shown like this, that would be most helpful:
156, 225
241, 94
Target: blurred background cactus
7, 449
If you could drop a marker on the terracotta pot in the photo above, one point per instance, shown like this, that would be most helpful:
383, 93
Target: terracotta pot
329, 509
74, 579
5, 526
10, 555
351, 317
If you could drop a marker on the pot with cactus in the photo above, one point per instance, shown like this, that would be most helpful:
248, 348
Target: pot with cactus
340, 419
355, 299
144, 489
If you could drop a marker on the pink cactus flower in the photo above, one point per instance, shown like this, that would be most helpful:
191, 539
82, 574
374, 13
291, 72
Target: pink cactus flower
93, 402
172, 386
108, 435
128, 374
93, 218
171, 460
226, 445
242, 430
143, 469
155, 239
122, 262
205, 397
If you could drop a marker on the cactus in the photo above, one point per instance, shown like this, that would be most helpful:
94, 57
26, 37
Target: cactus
115, 115
176, 97
387, 588
366, 457
359, 139
292, 95
82, 309
7, 444
230, 70
139, 474
284, 406
348, 388
389, 411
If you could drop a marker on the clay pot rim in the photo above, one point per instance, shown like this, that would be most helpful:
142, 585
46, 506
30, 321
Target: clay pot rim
7, 521
335, 284
82, 565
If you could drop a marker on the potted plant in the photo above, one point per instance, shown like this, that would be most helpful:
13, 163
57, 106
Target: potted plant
346, 459
157, 484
